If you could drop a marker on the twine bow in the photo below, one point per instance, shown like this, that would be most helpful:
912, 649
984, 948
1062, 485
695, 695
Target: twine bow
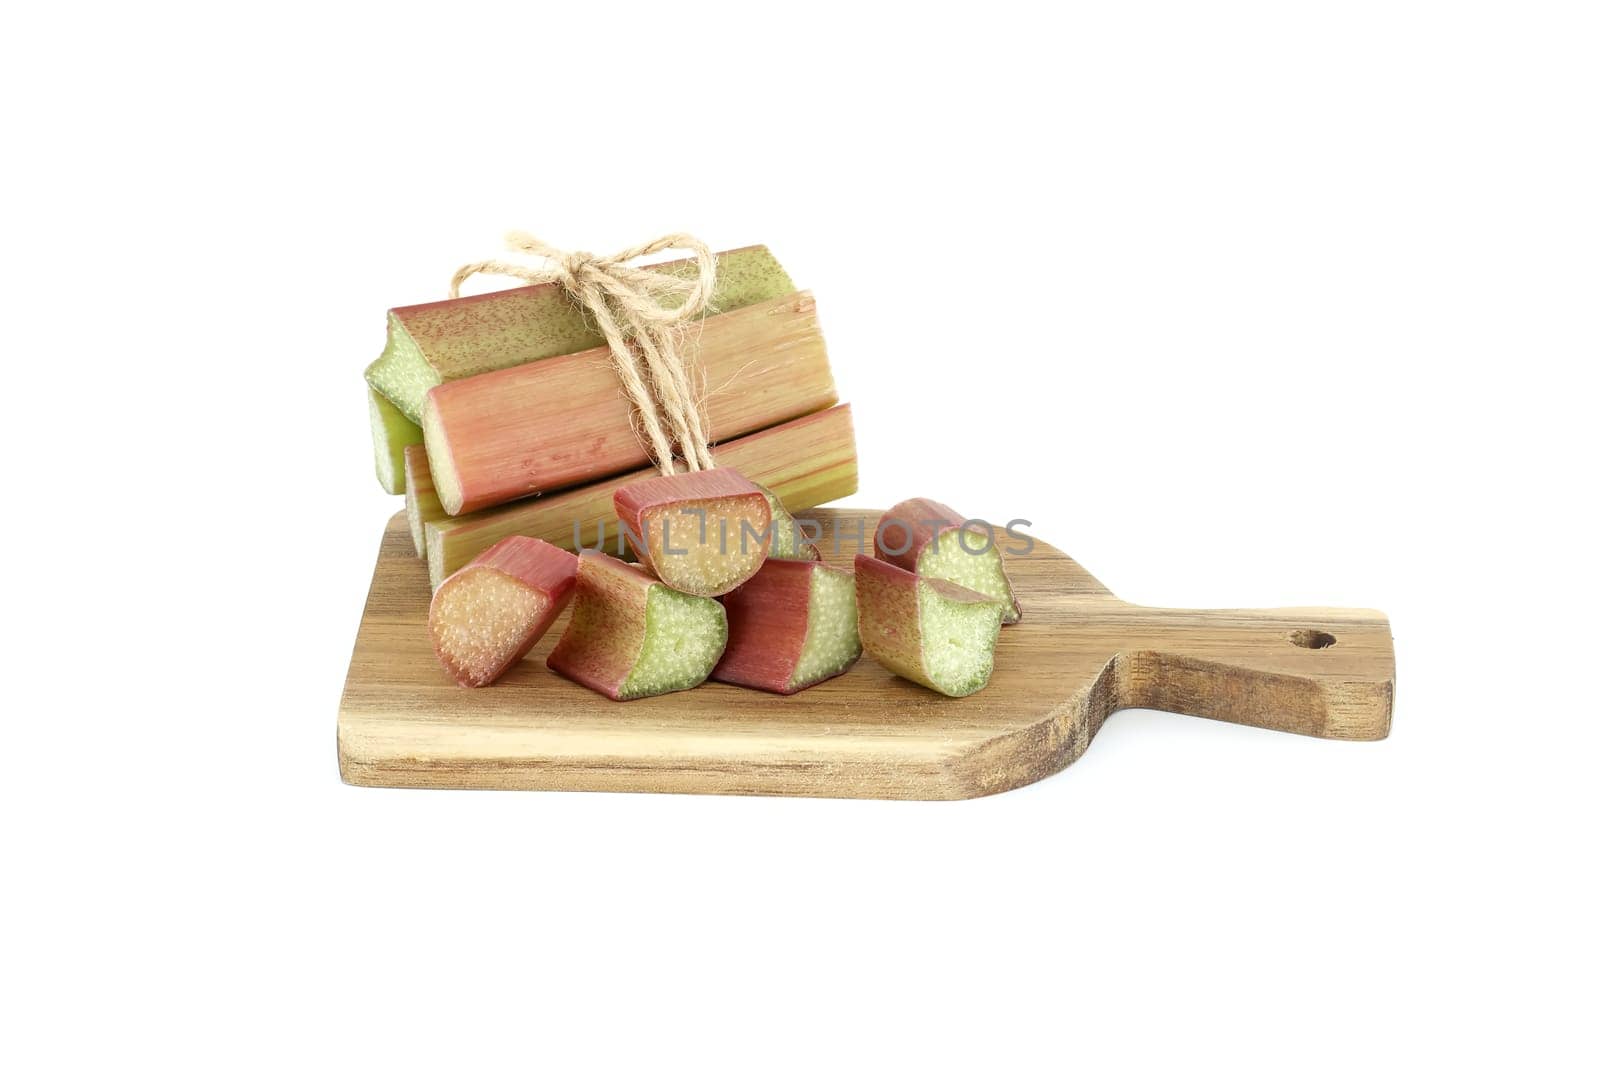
634, 309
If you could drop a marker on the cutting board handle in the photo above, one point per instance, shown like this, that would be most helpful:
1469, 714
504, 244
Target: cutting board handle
1317, 671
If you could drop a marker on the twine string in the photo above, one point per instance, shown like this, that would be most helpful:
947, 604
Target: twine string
641, 314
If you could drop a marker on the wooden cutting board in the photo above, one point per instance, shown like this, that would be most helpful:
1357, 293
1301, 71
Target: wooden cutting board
1079, 654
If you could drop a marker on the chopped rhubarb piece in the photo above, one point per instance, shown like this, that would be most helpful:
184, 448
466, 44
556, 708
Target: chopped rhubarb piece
491, 612
704, 533
790, 626
631, 636
927, 630
787, 539
931, 540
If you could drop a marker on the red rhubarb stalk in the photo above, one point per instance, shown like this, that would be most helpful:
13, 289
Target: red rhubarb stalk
805, 463
563, 421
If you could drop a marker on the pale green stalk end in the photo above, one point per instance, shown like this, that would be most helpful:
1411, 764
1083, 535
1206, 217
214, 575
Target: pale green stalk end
392, 433
958, 640
833, 639
683, 638
984, 573
402, 374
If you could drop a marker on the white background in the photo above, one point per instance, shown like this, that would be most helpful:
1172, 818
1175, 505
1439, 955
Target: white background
1244, 304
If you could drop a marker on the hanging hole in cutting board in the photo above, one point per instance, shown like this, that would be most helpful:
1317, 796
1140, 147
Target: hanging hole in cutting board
1312, 639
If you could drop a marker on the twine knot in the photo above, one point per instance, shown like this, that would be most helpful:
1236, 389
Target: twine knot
640, 313
573, 263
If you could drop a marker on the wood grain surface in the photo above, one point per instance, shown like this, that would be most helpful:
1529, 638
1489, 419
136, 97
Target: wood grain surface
1078, 654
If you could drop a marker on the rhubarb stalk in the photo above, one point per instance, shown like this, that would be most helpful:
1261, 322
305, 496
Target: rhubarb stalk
631, 636
550, 424
790, 626
434, 342
931, 540
805, 463
925, 629
704, 533
486, 617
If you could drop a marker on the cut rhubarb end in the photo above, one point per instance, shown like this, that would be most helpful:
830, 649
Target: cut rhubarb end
488, 615
833, 639
441, 462
392, 433
927, 630
790, 626
704, 533
422, 502
631, 636
950, 559
787, 541
927, 538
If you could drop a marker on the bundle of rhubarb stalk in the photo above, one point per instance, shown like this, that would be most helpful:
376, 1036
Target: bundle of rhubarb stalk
520, 424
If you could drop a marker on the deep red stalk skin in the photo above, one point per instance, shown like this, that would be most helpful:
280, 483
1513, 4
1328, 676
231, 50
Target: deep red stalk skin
768, 616
637, 503
539, 565
602, 642
927, 520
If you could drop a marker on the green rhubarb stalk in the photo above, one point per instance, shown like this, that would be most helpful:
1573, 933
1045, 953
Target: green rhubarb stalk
392, 433
434, 342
